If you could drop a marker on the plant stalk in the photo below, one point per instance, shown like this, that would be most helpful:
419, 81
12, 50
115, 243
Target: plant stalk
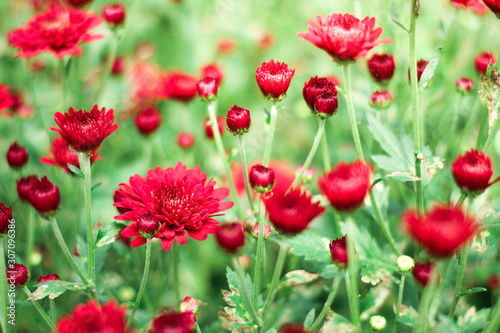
329, 300
87, 197
270, 134
145, 276
351, 282
243, 156
400, 300
324, 148
177, 286
259, 254
460, 278
241, 275
40, 310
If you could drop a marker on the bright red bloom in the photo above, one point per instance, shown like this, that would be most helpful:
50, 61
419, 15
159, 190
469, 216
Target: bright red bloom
209, 129
472, 172
482, 60
238, 120
148, 121
464, 85
114, 14
231, 237
6, 100
381, 67
24, 186
45, 197
422, 273
274, 79
62, 155
316, 86
180, 198
17, 155
177, 85
92, 317
344, 37
326, 104
442, 230
59, 30
494, 6
18, 275
48, 277
381, 99
207, 88
338, 251
173, 322
214, 71
83, 130
5, 217
186, 140
261, 178
291, 212
346, 185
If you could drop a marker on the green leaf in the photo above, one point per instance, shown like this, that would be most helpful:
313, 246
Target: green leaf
407, 315
473, 320
54, 289
108, 233
95, 186
336, 323
473, 291
309, 319
297, 277
340, 90
329, 272
311, 247
399, 176
234, 153
76, 171
429, 71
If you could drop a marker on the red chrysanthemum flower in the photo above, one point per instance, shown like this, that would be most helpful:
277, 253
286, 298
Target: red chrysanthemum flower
494, 6
180, 198
59, 30
291, 211
148, 121
83, 130
92, 317
422, 273
6, 100
17, 155
5, 217
338, 251
24, 186
231, 237
343, 36
442, 230
482, 61
346, 185
472, 172
381, 67
173, 322
316, 86
274, 79
186, 140
177, 85
18, 275
214, 71
62, 155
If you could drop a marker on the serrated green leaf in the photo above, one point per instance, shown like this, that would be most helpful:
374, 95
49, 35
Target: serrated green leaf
54, 289
311, 247
297, 277
429, 71
95, 186
76, 171
473, 291
329, 272
391, 164
108, 233
407, 315
473, 320
309, 319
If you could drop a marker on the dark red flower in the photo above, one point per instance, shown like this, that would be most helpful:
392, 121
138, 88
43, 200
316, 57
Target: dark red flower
180, 198
316, 86
346, 185
261, 178
173, 322
5, 217
209, 128
92, 317
118, 66
338, 251
177, 85
114, 14
186, 140
381, 67
18, 275
326, 104
284, 175
238, 120
148, 121
482, 60
214, 71
24, 186
45, 197
6, 100
464, 85
381, 99
344, 37
293, 328
231, 237
472, 172
442, 230
17, 155
494, 6
207, 88
83, 130
147, 225
422, 273
421, 65
118, 197
48, 277
59, 30
274, 79
62, 155
79, 3
291, 211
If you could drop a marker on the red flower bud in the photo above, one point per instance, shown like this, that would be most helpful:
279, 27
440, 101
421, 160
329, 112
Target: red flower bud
188, 304
381, 99
267, 230
148, 121
186, 140
238, 120
17, 155
325, 104
261, 178
346, 185
79, 3
114, 14
464, 85
274, 79
307, 176
494, 5
422, 273
118, 66
231, 237
209, 131
17, 275
5, 218
148, 225
207, 88
177, 85
48, 277
381, 67
493, 282
472, 172
316, 86
421, 65
482, 60
24, 186
214, 71
338, 251
226, 46
179, 322
45, 197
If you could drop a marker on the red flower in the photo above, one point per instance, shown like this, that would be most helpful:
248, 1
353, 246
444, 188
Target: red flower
266, 40
421, 65
173, 322
284, 176
261, 178
62, 155
18, 275
346, 185
291, 212
381, 99
464, 85
48, 277
316, 86
118, 66
381, 67
482, 60
24, 186
177, 85
442, 230
17, 155
83, 130
45, 197
274, 79
326, 104
214, 71
472, 172
226, 46
238, 120
344, 37
114, 14
186, 140
148, 121
494, 5
231, 237
422, 273
92, 317
207, 88
293, 328
209, 129
338, 251
79, 3
6, 100
180, 198
5, 217
59, 30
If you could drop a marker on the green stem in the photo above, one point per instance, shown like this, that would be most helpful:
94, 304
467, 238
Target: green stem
400, 300
197, 327
492, 134
109, 67
243, 156
40, 310
314, 147
383, 226
329, 300
3, 289
351, 282
280, 263
460, 278
494, 322
324, 148
31, 236
85, 163
241, 275
259, 255
220, 148
352, 114
144, 280
53, 315
482, 128
270, 134
462, 199
177, 286
64, 84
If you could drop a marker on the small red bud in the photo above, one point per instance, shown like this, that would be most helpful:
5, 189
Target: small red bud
189, 304
422, 273
209, 131
381, 99
118, 66
482, 61
45, 197
148, 121
186, 140
472, 172
17, 275
214, 71
48, 277
207, 88
338, 251
238, 120
24, 186
231, 237
381, 67
315, 86
148, 225
464, 85
17, 155
114, 14
267, 230
261, 178
421, 65
325, 104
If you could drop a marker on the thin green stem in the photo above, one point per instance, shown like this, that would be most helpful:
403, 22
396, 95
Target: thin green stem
324, 148
64, 84
40, 310
142, 288
383, 226
352, 114
220, 148
3, 289
492, 134
177, 285
241, 275
351, 282
109, 67
400, 300
494, 323
280, 263
462, 199
460, 278
314, 147
87, 189
243, 156
31, 236
482, 128
270, 134
259, 254
52, 304
331, 296
197, 327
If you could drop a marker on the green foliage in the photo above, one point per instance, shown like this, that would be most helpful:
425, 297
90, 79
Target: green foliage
429, 71
54, 289
309, 319
108, 233
311, 247
76, 171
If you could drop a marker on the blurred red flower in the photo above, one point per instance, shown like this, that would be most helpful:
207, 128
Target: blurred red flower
6, 100
62, 155
173, 322
494, 6
177, 85
472, 172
